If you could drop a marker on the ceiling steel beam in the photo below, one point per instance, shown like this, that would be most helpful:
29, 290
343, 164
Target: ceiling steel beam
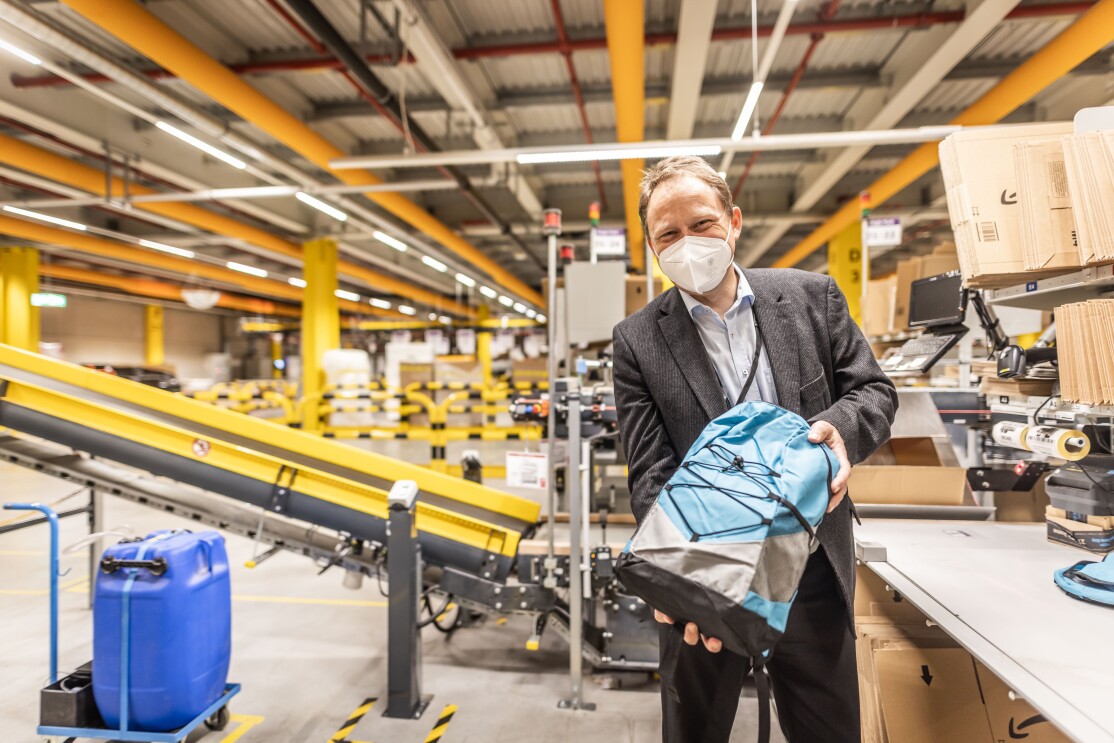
1086, 36
263, 63
695, 22
140, 29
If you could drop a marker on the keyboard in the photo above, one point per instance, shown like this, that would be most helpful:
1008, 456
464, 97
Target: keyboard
920, 353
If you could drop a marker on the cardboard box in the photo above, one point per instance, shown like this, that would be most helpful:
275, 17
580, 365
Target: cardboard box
908, 271
873, 599
922, 486
636, 292
465, 369
1094, 533
878, 315
1013, 719
930, 695
533, 371
1025, 507
410, 373
1048, 235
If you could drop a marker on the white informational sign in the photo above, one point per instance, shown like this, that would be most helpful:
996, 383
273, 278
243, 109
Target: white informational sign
466, 341
527, 469
607, 241
883, 232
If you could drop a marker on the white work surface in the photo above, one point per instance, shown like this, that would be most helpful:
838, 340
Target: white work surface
990, 587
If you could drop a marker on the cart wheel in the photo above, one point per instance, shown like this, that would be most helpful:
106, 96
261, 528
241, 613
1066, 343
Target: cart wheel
218, 720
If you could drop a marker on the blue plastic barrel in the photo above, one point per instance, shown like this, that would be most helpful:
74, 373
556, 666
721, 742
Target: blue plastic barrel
178, 633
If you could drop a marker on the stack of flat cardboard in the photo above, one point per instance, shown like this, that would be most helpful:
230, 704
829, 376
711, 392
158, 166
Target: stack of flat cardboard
878, 314
982, 190
1086, 353
1089, 170
1048, 237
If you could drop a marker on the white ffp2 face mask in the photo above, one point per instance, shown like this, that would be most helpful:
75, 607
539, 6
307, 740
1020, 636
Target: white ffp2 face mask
696, 264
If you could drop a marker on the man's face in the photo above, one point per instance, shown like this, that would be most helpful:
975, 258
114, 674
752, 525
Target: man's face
686, 205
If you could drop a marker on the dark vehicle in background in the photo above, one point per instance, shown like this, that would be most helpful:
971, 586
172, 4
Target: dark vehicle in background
149, 375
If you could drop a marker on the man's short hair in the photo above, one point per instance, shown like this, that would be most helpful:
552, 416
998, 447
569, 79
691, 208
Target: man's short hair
678, 165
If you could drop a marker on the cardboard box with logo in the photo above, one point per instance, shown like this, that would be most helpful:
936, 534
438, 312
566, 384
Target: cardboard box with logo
981, 185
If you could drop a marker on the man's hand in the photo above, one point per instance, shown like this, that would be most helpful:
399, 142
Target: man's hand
824, 432
692, 633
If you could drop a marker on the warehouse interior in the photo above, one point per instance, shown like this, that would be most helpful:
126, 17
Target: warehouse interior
301, 286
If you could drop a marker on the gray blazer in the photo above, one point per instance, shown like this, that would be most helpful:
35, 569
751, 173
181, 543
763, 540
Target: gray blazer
666, 390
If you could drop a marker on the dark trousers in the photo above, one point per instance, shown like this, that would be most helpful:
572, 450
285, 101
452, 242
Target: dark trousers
812, 670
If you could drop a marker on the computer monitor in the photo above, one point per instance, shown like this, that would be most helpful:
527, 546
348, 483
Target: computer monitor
937, 300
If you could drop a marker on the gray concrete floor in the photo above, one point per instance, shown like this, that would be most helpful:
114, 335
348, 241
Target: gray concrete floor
309, 651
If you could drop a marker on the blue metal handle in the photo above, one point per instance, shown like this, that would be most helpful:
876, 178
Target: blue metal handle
52, 518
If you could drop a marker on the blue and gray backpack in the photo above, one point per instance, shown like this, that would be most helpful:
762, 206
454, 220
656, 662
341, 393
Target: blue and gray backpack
1089, 581
727, 541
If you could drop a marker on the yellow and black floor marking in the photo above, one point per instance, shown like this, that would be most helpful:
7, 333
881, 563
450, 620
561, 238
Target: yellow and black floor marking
341, 736
442, 724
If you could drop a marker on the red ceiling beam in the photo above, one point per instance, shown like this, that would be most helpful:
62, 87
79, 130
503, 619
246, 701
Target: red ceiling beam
567, 46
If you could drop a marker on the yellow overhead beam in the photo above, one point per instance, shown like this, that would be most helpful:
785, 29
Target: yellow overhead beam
140, 29
162, 290
19, 279
26, 156
625, 44
1086, 36
114, 251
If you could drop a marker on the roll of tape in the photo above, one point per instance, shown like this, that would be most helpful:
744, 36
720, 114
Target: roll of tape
1058, 442
1008, 433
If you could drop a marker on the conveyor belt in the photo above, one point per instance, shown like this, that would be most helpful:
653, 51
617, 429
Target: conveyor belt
473, 528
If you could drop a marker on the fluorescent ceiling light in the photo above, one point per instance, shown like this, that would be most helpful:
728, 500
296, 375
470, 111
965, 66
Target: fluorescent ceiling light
530, 313
386, 239
321, 206
48, 299
46, 218
294, 281
445, 320
432, 316
435, 264
748, 110
520, 308
380, 303
345, 294
247, 269
541, 318
203, 146
722, 174
406, 310
466, 280
634, 153
506, 301
25, 56
488, 292
180, 252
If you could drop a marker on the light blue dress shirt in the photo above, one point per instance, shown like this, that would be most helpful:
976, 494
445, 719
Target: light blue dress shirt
730, 341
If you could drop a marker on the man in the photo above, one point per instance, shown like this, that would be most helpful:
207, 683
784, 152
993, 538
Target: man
683, 360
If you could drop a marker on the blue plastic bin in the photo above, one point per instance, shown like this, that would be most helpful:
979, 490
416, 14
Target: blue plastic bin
178, 636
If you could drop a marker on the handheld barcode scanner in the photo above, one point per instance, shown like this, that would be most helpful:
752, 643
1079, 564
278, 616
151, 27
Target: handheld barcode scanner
1014, 361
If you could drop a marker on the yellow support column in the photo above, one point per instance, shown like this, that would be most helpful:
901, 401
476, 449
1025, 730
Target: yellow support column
845, 253
483, 347
320, 322
276, 356
19, 279
156, 341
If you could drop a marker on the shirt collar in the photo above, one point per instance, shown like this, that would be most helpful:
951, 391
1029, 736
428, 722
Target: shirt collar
743, 293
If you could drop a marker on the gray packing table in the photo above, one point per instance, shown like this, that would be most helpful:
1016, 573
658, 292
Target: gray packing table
990, 587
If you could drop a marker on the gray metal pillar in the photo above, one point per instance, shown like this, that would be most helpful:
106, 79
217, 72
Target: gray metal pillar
576, 559
96, 525
404, 580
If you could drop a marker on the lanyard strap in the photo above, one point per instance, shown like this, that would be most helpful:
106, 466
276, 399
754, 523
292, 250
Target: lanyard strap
753, 362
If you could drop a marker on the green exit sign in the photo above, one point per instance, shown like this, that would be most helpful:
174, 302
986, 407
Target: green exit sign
48, 299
